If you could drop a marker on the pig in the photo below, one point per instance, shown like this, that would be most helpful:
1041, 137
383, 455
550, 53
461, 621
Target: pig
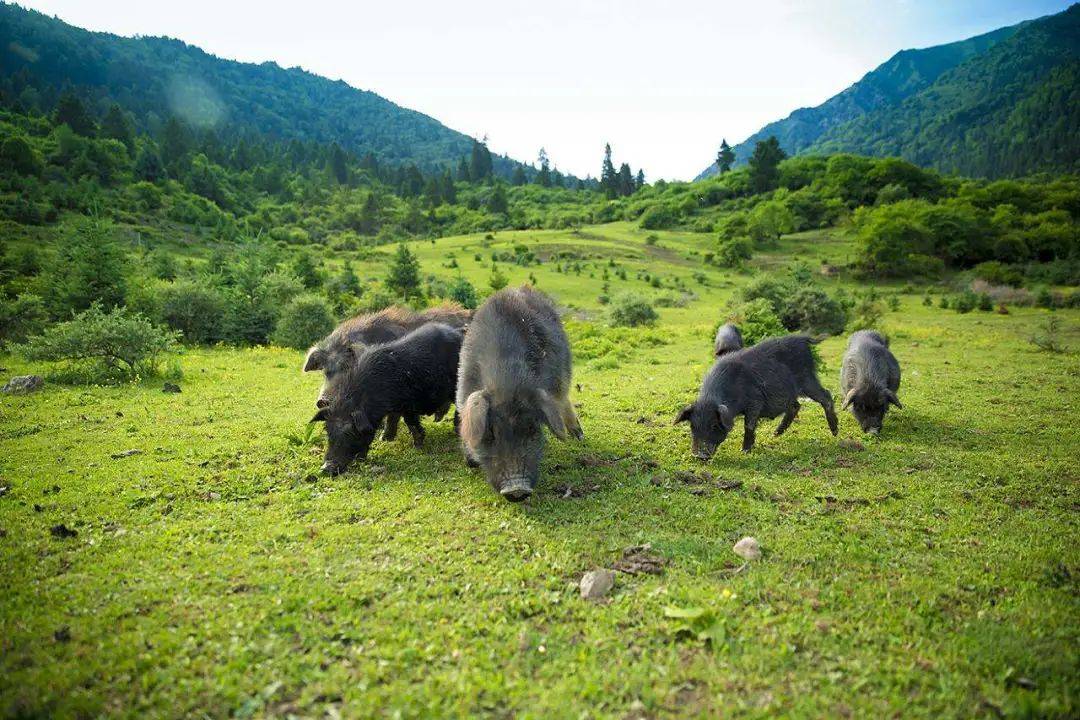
514, 379
338, 350
763, 381
728, 339
869, 379
413, 376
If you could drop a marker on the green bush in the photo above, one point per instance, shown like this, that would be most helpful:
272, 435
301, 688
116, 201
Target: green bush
21, 317
733, 252
812, 310
197, 311
965, 302
462, 292
997, 273
90, 269
303, 322
756, 320
631, 310
104, 345
659, 217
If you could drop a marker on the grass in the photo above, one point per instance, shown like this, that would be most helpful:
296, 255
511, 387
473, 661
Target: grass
931, 573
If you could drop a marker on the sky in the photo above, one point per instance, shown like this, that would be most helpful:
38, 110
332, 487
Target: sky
662, 82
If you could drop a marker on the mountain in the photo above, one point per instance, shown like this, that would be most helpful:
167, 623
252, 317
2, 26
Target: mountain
155, 77
1002, 103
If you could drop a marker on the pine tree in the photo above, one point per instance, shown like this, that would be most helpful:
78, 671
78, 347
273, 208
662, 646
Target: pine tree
764, 175
624, 182
497, 202
404, 276
725, 157
608, 179
480, 162
639, 181
519, 178
543, 178
369, 215
118, 126
148, 165
448, 190
337, 163
70, 111
463, 171
176, 145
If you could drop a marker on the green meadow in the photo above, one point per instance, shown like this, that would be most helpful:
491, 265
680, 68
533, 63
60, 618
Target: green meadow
178, 555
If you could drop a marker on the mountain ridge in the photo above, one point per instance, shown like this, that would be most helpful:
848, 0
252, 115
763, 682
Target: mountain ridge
906, 75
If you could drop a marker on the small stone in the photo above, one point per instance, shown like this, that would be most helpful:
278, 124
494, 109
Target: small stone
23, 384
596, 584
170, 388
748, 548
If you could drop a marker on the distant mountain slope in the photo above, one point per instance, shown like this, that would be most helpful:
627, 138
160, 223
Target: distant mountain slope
1012, 110
157, 77
890, 111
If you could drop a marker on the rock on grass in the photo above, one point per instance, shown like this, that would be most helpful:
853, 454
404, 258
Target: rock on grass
596, 584
748, 548
23, 384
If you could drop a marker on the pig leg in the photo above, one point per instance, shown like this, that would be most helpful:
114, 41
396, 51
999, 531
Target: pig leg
441, 412
749, 426
789, 416
391, 427
813, 390
413, 423
457, 423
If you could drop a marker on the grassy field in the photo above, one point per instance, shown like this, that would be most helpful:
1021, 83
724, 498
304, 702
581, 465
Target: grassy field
930, 572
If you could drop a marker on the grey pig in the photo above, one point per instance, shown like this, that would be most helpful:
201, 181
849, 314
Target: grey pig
869, 379
514, 378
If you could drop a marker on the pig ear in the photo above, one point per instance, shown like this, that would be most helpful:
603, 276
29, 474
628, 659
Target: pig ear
356, 349
559, 415
724, 414
891, 397
849, 398
360, 421
684, 414
473, 424
315, 360
321, 415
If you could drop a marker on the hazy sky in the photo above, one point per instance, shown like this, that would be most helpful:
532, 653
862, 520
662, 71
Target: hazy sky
661, 81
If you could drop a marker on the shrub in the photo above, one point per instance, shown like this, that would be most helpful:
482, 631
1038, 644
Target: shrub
108, 344
733, 252
659, 217
965, 302
757, 321
986, 304
631, 310
497, 281
1048, 338
768, 288
812, 310
997, 273
463, 293
21, 317
195, 310
303, 322
868, 311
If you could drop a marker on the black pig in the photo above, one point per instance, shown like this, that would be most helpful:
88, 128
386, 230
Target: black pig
413, 376
514, 379
869, 379
763, 381
728, 339
340, 349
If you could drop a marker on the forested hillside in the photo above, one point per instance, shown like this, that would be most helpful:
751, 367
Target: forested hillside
996, 105
155, 79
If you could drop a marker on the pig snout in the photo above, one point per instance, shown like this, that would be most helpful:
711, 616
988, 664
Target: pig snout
516, 489
332, 468
703, 451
